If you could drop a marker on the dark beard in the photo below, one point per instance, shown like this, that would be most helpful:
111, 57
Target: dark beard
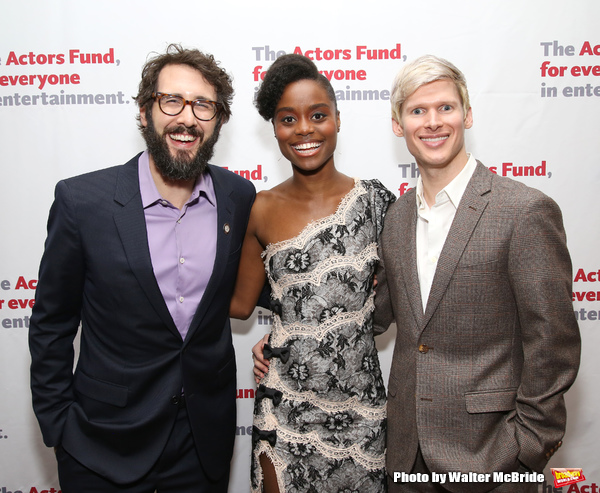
182, 166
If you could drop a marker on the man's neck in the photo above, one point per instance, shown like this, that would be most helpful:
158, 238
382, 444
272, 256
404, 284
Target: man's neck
436, 179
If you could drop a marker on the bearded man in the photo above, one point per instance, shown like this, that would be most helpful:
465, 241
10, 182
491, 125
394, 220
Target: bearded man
144, 256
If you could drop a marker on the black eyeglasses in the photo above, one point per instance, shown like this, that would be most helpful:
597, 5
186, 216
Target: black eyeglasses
172, 105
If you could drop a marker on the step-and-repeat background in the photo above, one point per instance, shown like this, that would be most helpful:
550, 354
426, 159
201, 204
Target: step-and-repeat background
68, 71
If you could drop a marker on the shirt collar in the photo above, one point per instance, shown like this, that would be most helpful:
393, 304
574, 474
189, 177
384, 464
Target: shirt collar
454, 190
150, 194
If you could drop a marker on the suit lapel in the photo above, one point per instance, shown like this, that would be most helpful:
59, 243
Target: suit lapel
470, 209
131, 225
225, 212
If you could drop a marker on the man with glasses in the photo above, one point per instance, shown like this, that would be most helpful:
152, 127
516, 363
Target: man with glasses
145, 256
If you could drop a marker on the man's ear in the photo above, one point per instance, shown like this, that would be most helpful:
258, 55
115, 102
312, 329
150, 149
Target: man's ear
397, 128
143, 119
469, 118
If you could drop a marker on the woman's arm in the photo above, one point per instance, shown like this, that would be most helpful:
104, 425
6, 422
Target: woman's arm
251, 272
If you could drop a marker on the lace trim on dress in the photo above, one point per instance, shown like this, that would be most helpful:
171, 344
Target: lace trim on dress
281, 333
355, 452
329, 264
278, 464
351, 404
338, 217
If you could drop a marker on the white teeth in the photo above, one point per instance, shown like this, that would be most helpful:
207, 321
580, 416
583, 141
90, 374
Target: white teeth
437, 139
182, 137
307, 146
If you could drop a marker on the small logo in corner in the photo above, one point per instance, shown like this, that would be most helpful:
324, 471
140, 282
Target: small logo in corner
564, 476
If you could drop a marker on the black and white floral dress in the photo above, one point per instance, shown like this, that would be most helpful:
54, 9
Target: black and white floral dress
320, 413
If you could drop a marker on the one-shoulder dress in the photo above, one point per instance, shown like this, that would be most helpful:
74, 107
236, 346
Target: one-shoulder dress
320, 414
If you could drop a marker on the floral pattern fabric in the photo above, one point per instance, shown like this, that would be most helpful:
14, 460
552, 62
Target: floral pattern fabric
325, 430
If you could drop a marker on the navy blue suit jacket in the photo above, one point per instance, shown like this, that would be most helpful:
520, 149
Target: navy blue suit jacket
115, 411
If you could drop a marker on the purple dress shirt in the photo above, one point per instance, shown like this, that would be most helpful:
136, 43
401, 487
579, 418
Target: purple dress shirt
182, 243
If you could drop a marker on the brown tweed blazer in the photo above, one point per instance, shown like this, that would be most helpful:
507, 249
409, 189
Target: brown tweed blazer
477, 381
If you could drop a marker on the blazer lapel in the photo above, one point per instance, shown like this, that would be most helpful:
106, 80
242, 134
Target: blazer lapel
131, 225
225, 211
470, 209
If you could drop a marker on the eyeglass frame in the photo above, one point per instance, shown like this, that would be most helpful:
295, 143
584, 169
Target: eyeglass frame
157, 96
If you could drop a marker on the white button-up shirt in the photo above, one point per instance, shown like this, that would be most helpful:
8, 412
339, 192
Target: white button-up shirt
434, 223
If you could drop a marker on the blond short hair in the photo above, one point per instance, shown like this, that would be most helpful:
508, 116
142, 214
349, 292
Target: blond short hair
421, 71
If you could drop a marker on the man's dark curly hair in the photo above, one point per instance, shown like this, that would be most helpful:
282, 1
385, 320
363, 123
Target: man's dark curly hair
204, 63
285, 70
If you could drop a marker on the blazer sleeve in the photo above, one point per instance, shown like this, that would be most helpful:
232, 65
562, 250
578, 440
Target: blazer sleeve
55, 318
383, 315
540, 274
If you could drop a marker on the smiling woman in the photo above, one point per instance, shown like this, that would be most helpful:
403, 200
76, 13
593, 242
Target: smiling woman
306, 124
319, 418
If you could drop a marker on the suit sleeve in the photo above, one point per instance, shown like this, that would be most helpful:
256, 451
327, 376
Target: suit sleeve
55, 318
383, 315
540, 274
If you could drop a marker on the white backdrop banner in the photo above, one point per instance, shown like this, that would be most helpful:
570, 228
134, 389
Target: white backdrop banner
69, 70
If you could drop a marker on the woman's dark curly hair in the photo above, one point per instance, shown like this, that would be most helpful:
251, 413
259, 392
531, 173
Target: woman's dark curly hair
203, 63
285, 70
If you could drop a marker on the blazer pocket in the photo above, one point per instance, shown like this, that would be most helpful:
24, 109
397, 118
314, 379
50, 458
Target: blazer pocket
100, 390
480, 270
476, 262
491, 401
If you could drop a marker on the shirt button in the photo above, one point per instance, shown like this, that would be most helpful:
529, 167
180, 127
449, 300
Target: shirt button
181, 260
181, 299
